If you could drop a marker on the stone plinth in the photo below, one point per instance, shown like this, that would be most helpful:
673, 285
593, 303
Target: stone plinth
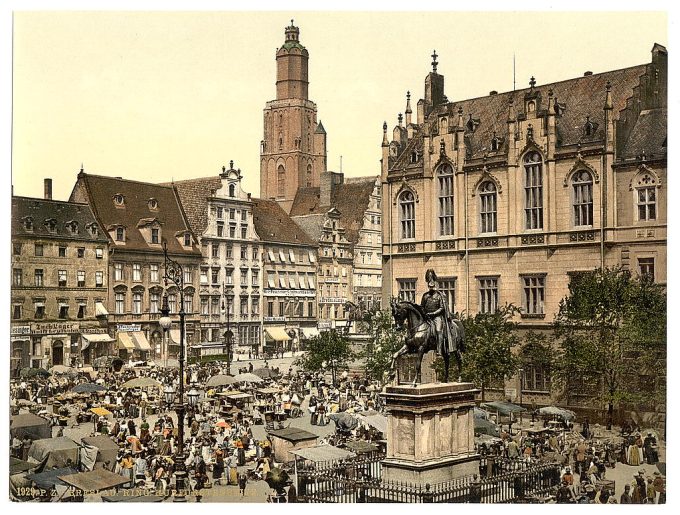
430, 432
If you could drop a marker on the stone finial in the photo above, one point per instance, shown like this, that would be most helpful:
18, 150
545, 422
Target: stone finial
434, 61
385, 142
532, 82
231, 164
400, 117
408, 103
608, 103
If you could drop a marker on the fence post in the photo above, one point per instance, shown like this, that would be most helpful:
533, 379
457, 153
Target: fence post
427, 495
475, 490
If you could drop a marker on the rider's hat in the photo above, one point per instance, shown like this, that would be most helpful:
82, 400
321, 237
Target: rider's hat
430, 276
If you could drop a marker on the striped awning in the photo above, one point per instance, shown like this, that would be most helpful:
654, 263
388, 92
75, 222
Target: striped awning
125, 342
100, 310
133, 340
175, 336
278, 334
95, 338
141, 343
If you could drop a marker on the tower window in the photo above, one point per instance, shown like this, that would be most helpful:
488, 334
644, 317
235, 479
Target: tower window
533, 191
582, 184
281, 181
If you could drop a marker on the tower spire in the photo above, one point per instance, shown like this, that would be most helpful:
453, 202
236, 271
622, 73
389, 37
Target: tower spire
408, 110
434, 61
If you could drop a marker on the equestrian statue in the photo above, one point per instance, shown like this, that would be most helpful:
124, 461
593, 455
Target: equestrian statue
429, 327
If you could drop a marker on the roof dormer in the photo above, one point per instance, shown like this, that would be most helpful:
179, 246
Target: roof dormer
119, 200
72, 227
51, 224
152, 203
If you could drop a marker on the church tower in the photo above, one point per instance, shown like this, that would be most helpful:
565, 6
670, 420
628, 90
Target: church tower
293, 150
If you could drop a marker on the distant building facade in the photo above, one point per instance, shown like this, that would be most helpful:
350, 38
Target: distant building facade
59, 283
138, 218
220, 213
507, 196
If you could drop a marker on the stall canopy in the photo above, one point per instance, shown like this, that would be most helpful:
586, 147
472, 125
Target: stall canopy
29, 424
16, 466
95, 480
361, 446
107, 448
278, 334
293, 434
100, 310
125, 342
50, 478
502, 407
376, 421
57, 451
322, 453
95, 338
486, 427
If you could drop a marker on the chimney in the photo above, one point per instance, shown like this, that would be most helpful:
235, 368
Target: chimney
493, 92
587, 74
48, 189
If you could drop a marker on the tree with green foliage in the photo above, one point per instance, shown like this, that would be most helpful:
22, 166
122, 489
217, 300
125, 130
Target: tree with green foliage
384, 341
489, 339
611, 330
329, 350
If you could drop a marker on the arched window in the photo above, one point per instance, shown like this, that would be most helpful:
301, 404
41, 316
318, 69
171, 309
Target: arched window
582, 183
487, 207
281, 181
645, 197
407, 215
533, 191
232, 190
309, 175
445, 183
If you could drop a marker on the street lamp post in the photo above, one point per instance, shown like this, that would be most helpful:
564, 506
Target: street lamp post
521, 381
175, 274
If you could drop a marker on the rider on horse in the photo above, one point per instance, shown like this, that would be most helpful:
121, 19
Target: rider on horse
437, 313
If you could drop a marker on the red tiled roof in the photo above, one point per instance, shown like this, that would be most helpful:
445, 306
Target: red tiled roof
273, 224
101, 190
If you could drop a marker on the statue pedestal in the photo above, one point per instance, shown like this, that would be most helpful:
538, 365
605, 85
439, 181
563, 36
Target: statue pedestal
430, 433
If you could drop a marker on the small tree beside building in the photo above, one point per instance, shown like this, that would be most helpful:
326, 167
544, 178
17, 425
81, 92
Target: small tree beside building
611, 332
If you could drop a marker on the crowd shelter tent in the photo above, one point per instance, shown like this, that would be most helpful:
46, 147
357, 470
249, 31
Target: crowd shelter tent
54, 451
28, 424
107, 449
284, 441
503, 409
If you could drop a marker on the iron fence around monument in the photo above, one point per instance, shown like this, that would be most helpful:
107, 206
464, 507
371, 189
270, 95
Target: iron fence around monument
527, 482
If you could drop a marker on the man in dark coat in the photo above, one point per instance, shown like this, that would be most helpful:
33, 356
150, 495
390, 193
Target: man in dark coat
436, 309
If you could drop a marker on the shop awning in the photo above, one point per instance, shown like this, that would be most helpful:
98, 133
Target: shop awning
95, 338
125, 342
292, 255
271, 281
310, 278
141, 343
175, 336
282, 279
270, 253
312, 257
282, 256
277, 333
310, 332
100, 310
301, 280
291, 281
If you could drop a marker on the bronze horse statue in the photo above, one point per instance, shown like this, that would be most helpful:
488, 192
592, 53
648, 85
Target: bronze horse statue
421, 338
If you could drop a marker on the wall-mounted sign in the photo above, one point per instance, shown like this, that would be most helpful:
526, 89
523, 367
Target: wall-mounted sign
290, 293
128, 328
55, 328
332, 300
274, 319
20, 329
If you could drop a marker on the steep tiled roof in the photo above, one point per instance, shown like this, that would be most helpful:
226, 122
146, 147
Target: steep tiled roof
193, 193
350, 198
648, 135
311, 224
273, 224
100, 192
40, 210
581, 97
